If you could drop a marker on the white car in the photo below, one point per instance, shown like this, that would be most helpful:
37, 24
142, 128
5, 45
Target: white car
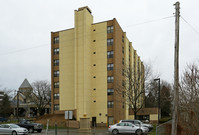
138, 123
127, 127
12, 129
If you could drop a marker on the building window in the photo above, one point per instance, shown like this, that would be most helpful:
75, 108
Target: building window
94, 52
56, 62
110, 29
123, 83
110, 92
123, 71
94, 64
122, 49
110, 54
110, 79
56, 96
110, 104
123, 61
56, 51
56, 40
123, 39
110, 66
56, 85
110, 41
56, 73
56, 107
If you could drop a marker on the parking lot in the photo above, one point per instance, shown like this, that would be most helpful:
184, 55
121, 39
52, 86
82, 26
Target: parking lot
74, 132
100, 131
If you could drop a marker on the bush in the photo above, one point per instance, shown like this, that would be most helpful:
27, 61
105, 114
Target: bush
163, 120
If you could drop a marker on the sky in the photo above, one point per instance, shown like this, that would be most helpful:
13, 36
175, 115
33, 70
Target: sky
26, 26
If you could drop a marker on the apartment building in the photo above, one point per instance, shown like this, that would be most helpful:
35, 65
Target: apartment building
87, 64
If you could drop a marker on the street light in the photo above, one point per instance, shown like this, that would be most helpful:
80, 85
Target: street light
158, 79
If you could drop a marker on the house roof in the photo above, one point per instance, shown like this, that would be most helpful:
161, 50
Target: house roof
25, 84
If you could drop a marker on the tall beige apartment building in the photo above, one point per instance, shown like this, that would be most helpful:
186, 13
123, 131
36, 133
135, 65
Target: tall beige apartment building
86, 66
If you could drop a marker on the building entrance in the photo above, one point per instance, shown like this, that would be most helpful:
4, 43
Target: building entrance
93, 121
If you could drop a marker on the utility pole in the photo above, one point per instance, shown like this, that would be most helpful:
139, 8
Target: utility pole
159, 112
176, 72
17, 106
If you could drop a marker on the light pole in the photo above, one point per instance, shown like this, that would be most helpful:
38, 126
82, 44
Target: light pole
158, 79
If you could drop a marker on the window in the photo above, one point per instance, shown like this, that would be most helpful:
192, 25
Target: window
123, 39
110, 104
110, 29
110, 54
110, 41
56, 40
120, 124
94, 64
110, 79
123, 71
110, 91
56, 62
56, 107
110, 66
56, 73
56, 51
56, 96
123, 83
122, 49
56, 85
123, 61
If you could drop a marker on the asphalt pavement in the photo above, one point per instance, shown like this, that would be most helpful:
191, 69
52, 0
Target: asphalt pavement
100, 131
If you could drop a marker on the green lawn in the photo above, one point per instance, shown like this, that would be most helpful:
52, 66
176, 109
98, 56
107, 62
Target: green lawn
153, 132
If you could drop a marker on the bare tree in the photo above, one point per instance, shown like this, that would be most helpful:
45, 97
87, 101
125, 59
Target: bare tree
41, 95
189, 100
136, 80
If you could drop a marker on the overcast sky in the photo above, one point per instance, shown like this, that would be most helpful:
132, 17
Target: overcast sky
26, 26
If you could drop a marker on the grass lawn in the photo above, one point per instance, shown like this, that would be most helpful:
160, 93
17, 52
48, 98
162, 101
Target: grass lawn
153, 132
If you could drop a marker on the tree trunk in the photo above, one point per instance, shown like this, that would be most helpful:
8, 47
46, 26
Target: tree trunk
135, 115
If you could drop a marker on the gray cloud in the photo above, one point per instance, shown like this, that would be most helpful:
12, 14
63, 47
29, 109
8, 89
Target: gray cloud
25, 28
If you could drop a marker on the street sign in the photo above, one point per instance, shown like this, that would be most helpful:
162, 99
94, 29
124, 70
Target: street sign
68, 115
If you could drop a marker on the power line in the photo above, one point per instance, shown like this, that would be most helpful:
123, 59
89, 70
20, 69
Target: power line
150, 21
21, 50
190, 25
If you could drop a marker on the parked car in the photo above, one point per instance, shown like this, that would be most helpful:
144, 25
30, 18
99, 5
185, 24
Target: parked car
12, 129
127, 127
3, 119
31, 126
138, 122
